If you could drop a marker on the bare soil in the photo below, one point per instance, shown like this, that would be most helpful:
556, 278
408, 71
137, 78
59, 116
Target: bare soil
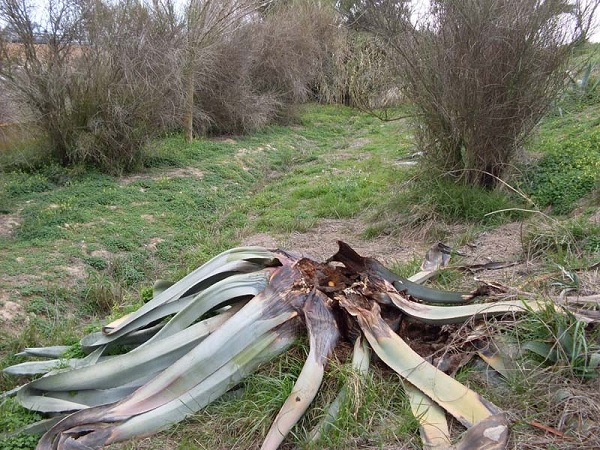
500, 244
320, 242
175, 173
8, 222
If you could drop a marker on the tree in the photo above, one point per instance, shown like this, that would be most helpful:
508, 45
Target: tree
205, 22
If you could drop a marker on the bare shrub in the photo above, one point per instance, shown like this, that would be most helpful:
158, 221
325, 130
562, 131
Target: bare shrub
109, 76
259, 72
126, 84
480, 73
356, 71
101, 79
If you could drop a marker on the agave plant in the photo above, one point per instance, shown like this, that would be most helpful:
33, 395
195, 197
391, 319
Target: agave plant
199, 337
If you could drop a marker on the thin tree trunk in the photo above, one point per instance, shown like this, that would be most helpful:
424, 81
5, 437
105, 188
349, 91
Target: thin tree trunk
188, 115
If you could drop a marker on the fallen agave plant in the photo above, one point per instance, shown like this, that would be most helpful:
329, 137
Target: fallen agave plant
199, 337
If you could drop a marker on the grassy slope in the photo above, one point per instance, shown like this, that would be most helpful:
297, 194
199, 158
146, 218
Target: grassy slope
121, 234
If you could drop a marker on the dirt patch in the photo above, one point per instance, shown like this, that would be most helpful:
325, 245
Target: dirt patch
9, 310
243, 153
102, 254
76, 271
152, 243
501, 244
8, 222
358, 143
321, 242
174, 173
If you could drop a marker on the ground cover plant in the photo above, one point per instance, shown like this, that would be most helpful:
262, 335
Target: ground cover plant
80, 246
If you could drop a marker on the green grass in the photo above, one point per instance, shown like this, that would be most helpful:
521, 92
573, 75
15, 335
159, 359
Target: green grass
569, 168
89, 246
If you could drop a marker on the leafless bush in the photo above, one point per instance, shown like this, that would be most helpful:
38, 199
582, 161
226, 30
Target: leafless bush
259, 72
108, 75
227, 100
102, 79
355, 71
481, 73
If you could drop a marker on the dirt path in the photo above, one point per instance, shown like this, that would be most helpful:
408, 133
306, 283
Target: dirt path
321, 242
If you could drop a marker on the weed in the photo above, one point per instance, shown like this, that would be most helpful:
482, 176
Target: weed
12, 417
560, 339
568, 171
97, 262
562, 241
406, 268
427, 204
101, 294
38, 305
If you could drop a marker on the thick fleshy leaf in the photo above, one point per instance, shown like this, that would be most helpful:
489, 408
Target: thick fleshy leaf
323, 335
206, 391
55, 351
465, 405
274, 306
219, 294
135, 366
440, 315
432, 419
360, 366
490, 434
242, 259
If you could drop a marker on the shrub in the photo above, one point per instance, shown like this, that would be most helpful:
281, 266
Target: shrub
563, 240
261, 71
481, 73
103, 81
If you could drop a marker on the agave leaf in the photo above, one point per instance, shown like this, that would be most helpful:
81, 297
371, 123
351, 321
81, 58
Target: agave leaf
433, 427
543, 349
55, 351
465, 405
436, 258
323, 335
219, 293
181, 289
360, 365
432, 419
209, 389
489, 434
274, 306
42, 367
161, 286
458, 314
121, 370
89, 342
495, 360
234, 260
235, 286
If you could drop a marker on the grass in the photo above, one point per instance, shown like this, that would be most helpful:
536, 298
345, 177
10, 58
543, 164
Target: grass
90, 246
